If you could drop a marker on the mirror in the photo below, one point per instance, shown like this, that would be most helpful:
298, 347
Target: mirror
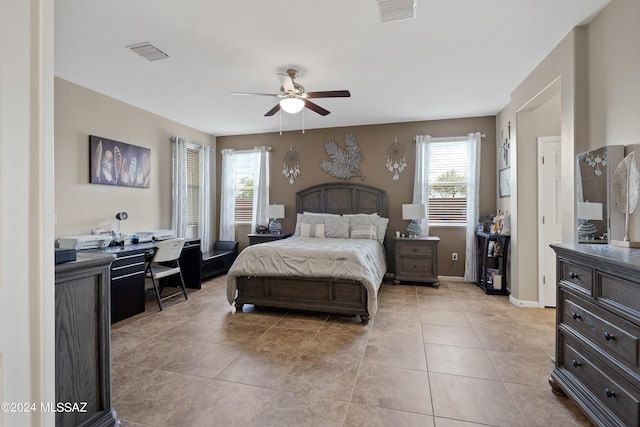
597, 218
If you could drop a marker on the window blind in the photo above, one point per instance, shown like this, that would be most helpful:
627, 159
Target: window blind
448, 181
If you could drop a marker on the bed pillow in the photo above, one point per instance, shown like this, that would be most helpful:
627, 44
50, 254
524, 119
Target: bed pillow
336, 227
312, 230
365, 220
363, 214
309, 219
364, 232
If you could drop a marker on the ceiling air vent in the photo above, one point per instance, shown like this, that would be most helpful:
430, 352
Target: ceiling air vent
394, 10
149, 51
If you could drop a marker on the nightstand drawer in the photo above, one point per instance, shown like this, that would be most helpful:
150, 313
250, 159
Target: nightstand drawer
616, 394
415, 266
577, 276
415, 249
615, 336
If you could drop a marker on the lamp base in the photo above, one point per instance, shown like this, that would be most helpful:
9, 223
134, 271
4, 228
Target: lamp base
587, 231
414, 229
275, 227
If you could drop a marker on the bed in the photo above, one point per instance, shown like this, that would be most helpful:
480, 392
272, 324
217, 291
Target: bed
342, 275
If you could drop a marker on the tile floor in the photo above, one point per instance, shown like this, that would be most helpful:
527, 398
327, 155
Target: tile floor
443, 357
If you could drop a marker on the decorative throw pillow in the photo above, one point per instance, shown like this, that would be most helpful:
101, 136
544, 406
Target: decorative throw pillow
309, 219
379, 222
336, 227
312, 230
364, 232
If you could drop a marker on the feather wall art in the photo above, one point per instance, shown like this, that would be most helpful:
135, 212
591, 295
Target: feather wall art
119, 163
345, 162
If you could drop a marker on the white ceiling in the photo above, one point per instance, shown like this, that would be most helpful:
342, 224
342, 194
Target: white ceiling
458, 58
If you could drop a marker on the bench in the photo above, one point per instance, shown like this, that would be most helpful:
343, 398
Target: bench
218, 260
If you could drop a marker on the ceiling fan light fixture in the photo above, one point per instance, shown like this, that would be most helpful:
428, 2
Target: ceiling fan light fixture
292, 104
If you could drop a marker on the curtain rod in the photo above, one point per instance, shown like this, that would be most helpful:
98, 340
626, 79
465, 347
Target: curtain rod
451, 137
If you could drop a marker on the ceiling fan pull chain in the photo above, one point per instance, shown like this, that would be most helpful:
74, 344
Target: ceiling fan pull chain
303, 120
280, 122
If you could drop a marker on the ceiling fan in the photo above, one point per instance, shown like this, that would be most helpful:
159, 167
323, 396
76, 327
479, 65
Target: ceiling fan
293, 97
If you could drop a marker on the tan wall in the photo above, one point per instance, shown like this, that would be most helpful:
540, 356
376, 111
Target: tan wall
373, 141
614, 82
80, 206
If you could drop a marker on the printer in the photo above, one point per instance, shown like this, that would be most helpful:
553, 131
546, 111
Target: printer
87, 241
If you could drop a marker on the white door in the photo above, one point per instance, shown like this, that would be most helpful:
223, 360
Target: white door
550, 213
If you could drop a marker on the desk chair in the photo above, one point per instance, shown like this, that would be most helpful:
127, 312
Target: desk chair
163, 264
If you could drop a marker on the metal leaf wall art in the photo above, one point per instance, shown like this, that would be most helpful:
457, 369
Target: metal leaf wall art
625, 187
345, 162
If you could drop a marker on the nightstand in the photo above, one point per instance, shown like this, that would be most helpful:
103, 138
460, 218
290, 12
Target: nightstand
416, 259
256, 238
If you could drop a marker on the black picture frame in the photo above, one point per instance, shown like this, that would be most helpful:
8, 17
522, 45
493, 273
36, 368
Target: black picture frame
504, 182
118, 163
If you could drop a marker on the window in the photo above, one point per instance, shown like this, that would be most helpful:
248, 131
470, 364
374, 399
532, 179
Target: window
193, 190
448, 180
246, 167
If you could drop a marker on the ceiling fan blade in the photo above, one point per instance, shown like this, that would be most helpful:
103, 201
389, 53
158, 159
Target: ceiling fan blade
287, 84
315, 107
329, 94
253, 93
273, 110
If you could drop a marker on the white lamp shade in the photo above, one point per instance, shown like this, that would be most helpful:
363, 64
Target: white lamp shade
275, 211
292, 105
589, 210
414, 211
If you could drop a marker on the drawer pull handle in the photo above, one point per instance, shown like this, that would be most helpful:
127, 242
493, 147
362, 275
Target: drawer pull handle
575, 315
573, 275
609, 393
575, 363
608, 336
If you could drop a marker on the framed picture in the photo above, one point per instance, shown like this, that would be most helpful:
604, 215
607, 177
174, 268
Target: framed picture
504, 179
118, 163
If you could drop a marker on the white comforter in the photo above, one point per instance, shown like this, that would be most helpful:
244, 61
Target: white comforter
362, 260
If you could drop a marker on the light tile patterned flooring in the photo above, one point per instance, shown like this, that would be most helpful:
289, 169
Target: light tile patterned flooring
443, 357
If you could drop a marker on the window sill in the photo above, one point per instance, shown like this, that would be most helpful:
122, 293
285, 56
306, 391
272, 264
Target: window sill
446, 225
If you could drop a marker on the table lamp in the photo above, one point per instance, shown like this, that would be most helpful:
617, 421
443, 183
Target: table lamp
586, 212
275, 212
415, 213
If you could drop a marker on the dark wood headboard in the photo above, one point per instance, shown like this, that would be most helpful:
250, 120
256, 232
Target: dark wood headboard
341, 198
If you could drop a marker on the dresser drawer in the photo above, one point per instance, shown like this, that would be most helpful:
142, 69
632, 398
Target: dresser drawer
612, 334
619, 294
614, 393
576, 276
415, 248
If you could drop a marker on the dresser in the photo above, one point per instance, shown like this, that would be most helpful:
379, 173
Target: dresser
83, 341
416, 259
598, 331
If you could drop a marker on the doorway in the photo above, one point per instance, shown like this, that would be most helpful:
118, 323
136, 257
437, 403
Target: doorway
550, 214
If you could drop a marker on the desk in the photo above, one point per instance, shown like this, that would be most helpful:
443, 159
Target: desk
127, 275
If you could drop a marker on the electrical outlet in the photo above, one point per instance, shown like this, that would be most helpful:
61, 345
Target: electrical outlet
454, 256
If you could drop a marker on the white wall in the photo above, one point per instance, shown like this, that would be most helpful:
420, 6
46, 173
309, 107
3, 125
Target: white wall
26, 209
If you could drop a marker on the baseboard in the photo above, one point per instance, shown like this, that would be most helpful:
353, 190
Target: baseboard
452, 278
524, 304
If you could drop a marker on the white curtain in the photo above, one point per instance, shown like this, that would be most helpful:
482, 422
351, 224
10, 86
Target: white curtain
228, 196
473, 210
421, 180
260, 188
204, 220
178, 219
